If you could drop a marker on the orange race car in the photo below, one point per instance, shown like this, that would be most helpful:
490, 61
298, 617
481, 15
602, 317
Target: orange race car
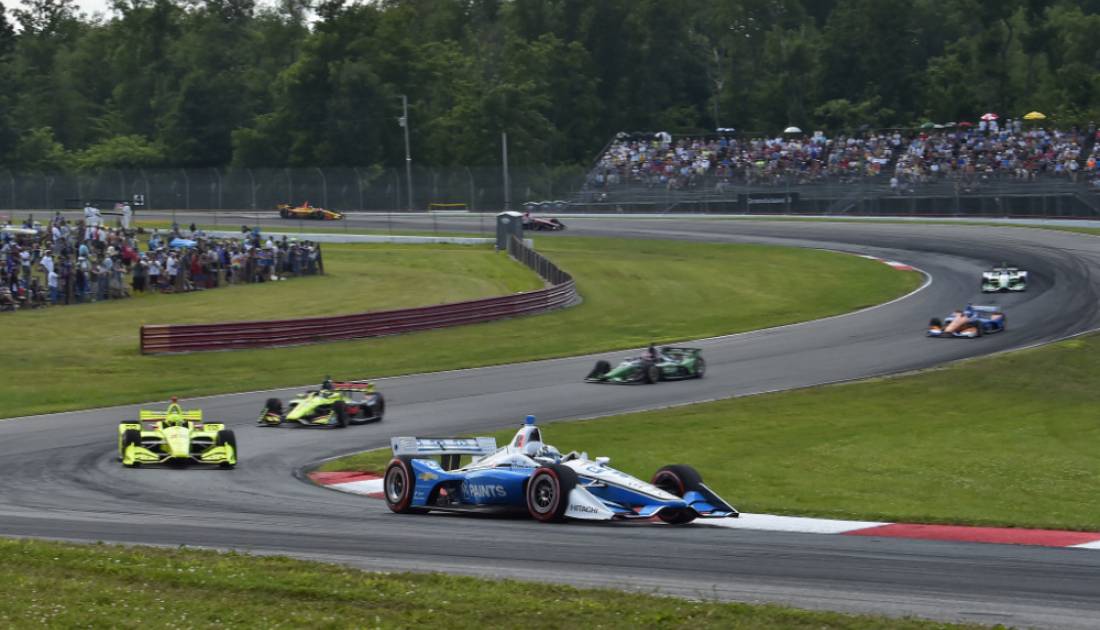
306, 211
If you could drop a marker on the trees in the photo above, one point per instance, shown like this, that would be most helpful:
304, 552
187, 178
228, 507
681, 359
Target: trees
207, 83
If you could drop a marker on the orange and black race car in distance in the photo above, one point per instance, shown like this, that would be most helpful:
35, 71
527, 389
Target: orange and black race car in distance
306, 211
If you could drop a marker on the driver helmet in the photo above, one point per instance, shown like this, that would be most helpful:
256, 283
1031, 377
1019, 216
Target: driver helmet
549, 454
327, 383
969, 310
174, 416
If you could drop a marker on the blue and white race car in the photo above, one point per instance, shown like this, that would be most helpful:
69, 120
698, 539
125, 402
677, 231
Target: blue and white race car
530, 476
972, 321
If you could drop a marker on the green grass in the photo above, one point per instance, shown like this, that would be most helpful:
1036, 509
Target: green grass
634, 292
56, 585
1008, 440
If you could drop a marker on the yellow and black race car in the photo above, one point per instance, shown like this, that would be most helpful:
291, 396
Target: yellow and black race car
306, 211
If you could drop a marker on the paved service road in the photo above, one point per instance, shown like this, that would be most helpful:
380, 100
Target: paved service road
61, 479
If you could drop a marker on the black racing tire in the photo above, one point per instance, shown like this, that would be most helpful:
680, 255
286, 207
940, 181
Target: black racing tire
129, 436
677, 479
284, 213
677, 516
317, 214
340, 411
227, 437
700, 367
548, 492
977, 326
651, 373
398, 485
274, 405
602, 368
936, 321
378, 410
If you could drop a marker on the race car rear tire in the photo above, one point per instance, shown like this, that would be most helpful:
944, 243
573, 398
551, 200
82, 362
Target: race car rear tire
700, 367
548, 492
223, 438
677, 479
284, 213
398, 485
340, 412
129, 436
602, 368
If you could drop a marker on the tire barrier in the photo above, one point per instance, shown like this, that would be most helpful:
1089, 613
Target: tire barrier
561, 292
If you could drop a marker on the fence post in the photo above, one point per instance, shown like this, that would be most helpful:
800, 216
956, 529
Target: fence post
252, 187
186, 189
359, 185
219, 176
324, 187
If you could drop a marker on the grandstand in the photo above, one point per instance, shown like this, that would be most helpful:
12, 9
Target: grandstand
957, 170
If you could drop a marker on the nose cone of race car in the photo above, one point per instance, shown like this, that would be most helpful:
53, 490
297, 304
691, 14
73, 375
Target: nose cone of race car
177, 441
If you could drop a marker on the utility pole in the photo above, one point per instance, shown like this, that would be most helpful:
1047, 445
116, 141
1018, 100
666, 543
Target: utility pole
404, 122
507, 183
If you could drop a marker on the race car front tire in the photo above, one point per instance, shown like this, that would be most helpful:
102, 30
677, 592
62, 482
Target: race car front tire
129, 436
398, 485
700, 367
377, 410
651, 374
226, 437
602, 368
548, 492
677, 479
340, 412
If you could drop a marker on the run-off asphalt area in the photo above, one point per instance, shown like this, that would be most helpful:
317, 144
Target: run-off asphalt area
62, 481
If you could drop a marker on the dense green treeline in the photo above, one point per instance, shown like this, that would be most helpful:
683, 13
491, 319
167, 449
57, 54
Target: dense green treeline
201, 83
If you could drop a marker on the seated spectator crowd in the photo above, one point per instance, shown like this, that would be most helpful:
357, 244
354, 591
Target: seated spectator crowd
77, 262
960, 152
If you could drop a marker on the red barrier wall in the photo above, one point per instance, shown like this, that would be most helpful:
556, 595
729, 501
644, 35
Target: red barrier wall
156, 339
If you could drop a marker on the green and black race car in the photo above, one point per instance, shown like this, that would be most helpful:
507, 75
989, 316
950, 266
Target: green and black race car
334, 405
667, 364
175, 436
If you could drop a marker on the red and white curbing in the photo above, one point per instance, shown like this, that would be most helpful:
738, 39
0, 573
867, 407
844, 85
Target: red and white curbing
370, 484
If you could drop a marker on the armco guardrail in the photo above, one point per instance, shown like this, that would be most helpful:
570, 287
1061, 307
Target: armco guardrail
157, 339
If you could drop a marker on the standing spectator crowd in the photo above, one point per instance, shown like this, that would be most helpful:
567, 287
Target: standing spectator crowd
85, 261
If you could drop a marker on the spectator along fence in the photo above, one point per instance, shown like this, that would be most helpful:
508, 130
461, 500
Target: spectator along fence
561, 292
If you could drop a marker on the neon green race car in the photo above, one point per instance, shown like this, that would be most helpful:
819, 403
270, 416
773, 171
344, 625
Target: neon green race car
334, 405
175, 436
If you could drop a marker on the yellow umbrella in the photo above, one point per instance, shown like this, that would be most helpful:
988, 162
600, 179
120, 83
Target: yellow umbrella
1035, 116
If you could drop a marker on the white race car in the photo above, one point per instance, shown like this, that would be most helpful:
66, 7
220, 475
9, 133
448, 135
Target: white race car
530, 476
1004, 278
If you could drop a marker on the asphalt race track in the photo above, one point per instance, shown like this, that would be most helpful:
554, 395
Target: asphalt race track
61, 479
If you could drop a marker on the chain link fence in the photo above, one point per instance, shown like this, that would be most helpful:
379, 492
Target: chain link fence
459, 188
542, 189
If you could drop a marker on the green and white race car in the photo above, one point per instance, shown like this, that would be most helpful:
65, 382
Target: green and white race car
1003, 279
175, 436
667, 364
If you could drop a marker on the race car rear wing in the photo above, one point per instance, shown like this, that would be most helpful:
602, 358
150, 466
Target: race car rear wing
986, 309
443, 446
353, 386
682, 350
193, 415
